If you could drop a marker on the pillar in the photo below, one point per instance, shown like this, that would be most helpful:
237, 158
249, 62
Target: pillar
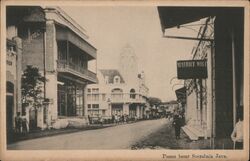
138, 111
126, 109
209, 90
50, 64
18, 84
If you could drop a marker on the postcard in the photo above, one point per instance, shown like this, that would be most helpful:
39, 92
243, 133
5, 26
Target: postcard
124, 80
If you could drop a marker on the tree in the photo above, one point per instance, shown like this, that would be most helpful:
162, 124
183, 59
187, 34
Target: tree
32, 83
154, 101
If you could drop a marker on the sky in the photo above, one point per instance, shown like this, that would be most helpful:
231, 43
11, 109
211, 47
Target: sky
111, 28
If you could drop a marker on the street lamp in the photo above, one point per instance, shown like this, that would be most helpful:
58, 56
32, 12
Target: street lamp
177, 84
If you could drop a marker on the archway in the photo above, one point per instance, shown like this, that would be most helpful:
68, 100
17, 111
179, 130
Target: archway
132, 93
9, 110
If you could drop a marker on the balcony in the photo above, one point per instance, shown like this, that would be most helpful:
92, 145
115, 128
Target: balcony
126, 98
116, 98
66, 67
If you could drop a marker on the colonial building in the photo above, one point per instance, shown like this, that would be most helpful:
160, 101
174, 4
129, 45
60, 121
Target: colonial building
13, 78
212, 104
199, 91
55, 44
119, 92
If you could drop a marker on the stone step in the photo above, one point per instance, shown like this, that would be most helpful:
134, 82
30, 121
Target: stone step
197, 131
189, 133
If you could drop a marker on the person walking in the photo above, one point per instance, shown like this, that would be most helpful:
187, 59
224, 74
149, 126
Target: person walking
18, 123
89, 118
113, 118
177, 125
237, 134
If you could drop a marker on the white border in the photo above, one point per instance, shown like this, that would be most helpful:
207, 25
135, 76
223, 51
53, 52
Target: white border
121, 154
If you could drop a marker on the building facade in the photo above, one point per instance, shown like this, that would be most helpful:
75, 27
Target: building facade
199, 91
119, 92
213, 105
13, 79
55, 44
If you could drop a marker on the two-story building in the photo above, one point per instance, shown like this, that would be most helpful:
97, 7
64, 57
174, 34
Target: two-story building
13, 77
119, 92
55, 44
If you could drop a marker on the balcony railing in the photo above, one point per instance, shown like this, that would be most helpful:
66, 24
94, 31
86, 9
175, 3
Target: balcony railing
63, 65
117, 98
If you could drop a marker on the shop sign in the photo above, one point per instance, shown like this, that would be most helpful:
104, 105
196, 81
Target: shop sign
192, 69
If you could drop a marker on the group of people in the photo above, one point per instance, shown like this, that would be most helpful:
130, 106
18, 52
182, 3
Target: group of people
21, 124
119, 118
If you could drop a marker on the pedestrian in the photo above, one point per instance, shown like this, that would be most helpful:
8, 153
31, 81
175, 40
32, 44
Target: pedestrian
90, 122
113, 119
101, 120
177, 125
237, 134
122, 118
24, 126
18, 123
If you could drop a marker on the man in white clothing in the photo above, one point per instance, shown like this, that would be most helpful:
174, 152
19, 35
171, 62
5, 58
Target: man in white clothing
237, 134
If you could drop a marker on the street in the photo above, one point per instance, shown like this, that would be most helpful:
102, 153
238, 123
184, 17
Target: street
118, 137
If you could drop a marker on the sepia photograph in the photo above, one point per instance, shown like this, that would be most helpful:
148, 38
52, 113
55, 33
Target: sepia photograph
125, 77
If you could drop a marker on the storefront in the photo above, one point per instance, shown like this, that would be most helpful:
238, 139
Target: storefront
217, 103
117, 109
70, 98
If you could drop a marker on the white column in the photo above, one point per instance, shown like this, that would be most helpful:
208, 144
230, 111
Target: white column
126, 109
137, 111
51, 94
234, 82
18, 75
40, 118
209, 93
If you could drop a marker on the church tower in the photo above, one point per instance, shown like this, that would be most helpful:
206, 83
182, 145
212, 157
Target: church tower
128, 65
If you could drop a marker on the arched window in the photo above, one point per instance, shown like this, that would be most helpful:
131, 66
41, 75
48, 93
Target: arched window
117, 94
117, 90
10, 87
132, 93
117, 79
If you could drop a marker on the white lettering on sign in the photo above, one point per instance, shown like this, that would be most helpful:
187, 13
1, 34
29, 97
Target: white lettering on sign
191, 64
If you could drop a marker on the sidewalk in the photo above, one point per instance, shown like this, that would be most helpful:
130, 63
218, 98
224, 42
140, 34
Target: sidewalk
165, 139
52, 132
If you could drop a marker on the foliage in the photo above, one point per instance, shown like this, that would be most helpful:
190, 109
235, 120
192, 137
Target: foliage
32, 83
154, 101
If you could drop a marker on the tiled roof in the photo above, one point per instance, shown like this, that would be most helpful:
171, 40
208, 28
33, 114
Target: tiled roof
111, 73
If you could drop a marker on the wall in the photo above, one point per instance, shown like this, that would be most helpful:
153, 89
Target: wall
227, 25
33, 49
51, 66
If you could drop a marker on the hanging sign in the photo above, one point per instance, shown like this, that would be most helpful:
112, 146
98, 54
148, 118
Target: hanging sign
192, 69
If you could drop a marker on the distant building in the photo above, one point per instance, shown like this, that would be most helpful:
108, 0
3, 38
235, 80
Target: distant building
119, 92
169, 107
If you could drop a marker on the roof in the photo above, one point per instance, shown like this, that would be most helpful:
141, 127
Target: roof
169, 102
18, 14
174, 16
111, 73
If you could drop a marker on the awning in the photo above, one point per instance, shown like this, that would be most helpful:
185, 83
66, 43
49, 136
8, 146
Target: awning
65, 34
181, 93
176, 16
173, 16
